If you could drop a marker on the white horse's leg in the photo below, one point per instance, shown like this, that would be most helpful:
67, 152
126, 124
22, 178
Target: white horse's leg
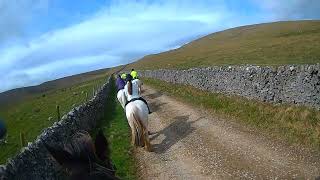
145, 137
131, 124
143, 117
147, 144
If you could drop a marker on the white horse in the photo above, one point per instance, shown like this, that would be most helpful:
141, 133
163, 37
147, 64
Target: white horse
122, 98
121, 93
137, 115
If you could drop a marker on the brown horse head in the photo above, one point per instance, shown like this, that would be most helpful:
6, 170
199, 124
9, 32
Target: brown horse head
84, 159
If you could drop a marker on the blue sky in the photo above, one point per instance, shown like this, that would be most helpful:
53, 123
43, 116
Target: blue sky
41, 40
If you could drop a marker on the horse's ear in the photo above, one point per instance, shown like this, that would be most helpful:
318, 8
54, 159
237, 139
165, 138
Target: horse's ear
63, 157
101, 145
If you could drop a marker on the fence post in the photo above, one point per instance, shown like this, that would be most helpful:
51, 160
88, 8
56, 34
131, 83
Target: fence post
58, 112
22, 139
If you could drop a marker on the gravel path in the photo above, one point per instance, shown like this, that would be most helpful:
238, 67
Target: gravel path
189, 143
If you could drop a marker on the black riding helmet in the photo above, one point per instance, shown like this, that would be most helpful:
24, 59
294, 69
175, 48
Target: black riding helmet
128, 78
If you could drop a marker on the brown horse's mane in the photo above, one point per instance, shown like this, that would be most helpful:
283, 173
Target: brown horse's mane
130, 87
81, 146
83, 158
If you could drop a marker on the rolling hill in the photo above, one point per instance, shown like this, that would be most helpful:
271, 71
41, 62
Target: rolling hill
278, 43
19, 94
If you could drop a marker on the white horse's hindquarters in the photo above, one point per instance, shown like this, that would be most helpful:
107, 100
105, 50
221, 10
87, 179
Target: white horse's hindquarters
122, 98
137, 115
139, 109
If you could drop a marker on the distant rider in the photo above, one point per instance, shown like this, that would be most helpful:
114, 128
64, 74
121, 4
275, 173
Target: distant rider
120, 83
132, 91
123, 76
134, 74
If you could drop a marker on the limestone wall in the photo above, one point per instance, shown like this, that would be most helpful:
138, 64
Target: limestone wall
297, 84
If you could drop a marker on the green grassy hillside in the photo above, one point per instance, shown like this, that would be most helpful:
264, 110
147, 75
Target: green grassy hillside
20, 94
29, 110
295, 42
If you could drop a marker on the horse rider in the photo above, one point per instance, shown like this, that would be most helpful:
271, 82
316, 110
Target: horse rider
120, 91
134, 74
123, 76
132, 91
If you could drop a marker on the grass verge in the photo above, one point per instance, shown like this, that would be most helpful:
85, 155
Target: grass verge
298, 125
117, 130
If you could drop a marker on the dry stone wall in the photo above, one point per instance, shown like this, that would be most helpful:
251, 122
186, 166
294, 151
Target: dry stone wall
34, 162
297, 84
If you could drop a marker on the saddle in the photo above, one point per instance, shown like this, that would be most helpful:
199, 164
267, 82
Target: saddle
135, 99
141, 99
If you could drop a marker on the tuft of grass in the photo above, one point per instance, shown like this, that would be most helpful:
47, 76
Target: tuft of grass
296, 124
118, 132
33, 115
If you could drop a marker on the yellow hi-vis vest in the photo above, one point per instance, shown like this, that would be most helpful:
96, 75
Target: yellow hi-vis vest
134, 74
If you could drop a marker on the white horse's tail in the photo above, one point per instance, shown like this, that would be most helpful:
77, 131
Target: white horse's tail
138, 126
138, 133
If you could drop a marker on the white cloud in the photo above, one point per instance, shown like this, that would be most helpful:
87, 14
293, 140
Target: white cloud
290, 9
115, 35
15, 14
118, 33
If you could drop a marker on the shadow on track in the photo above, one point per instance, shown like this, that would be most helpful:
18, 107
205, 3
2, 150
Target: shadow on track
173, 133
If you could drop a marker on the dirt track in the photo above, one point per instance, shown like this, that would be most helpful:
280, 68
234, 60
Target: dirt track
190, 143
